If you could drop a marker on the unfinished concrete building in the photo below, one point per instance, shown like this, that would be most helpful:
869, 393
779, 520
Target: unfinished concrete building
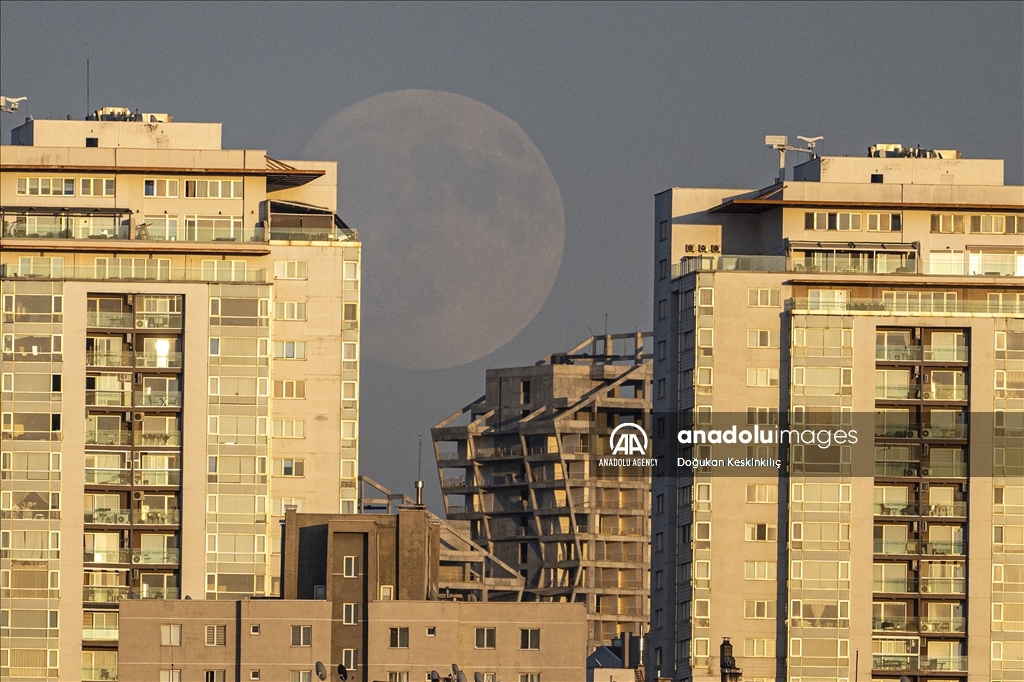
519, 465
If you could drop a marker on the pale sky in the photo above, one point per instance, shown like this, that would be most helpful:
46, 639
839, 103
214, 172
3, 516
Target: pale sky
622, 101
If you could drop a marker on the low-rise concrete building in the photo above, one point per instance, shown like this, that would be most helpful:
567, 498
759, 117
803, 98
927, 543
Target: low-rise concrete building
515, 642
217, 641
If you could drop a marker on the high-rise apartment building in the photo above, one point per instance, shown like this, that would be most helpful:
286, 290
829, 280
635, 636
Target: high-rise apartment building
521, 466
882, 295
180, 361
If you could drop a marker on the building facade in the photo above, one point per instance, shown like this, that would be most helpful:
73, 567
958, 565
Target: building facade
161, 296
520, 465
882, 295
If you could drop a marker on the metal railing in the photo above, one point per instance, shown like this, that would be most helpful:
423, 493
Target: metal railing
943, 585
107, 437
932, 307
154, 270
104, 594
157, 476
906, 266
108, 516
108, 476
97, 674
159, 517
158, 592
157, 399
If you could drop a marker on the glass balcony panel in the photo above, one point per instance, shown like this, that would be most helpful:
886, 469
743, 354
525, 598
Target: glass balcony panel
944, 663
894, 624
157, 320
897, 353
943, 585
945, 353
98, 674
953, 509
108, 320
99, 634
107, 556
896, 508
895, 586
169, 439
108, 516
157, 477
155, 556
157, 517
107, 358
157, 399
158, 360
148, 592
104, 594
895, 546
107, 398
943, 547
955, 431
894, 661
945, 470
943, 624
108, 476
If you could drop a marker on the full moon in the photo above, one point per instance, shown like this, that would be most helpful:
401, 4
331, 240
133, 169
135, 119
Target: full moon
461, 221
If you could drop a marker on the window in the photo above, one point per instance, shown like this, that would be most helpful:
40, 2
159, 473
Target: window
399, 638
351, 567
216, 635
759, 609
213, 189
170, 635
704, 376
816, 221
759, 648
764, 298
988, 224
431, 631
884, 222
290, 269
350, 614
289, 428
301, 675
761, 532
161, 187
170, 676
214, 346
400, 676
290, 390
485, 638
302, 635
662, 269
529, 677
289, 467
762, 376
661, 350
387, 593
759, 570
289, 310
877, 178
662, 230
215, 676
762, 415
97, 187
47, 187
662, 309
762, 338
661, 388
254, 674
763, 493
254, 629
529, 638
290, 350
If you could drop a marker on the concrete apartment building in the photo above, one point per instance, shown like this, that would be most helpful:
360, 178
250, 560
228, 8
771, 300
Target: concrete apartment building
520, 466
161, 296
883, 294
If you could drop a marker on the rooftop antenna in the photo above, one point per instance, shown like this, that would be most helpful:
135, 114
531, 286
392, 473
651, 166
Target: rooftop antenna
419, 474
781, 143
88, 110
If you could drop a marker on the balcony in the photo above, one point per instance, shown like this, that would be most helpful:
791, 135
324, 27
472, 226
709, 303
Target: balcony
158, 592
893, 624
157, 477
897, 392
108, 517
150, 270
944, 470
106, 556
944, 431
157, 320
104, 594
99, 635
158, 440
934, 392
158, 360
107, 437
157, 399
952, 625
943, 585
109, 320
157, 517
949, 509
898, 469
155, 556
108, 476
928, 431
896, 546
897, 586
106, 358
872, 305
65, 226
942, 547
894, 661
107, 398
956, 663
896, 509
98, 674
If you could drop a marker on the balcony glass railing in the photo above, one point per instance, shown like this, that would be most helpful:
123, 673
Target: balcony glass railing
943, 547
945, 354
158, 360
894, 624
157, 399
170, 439
957, 663
896, 509
107, 556
947, 509
107, 358
941, 470
98, 674
147, 592
157, 476
152, 270
64, 226
108, 516
155, 556
943, 585
99, 634
894, 661
943, 624
896, 546
107, 398
986, 267
108, 476
160, 517
898, 586
898, 469
933, 392
955, 431
157, 320
104, 594
931, 307
109, 320
897, 392
929, 431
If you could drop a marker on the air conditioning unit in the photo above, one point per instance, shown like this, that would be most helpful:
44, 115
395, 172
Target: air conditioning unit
927, 395
137, 559
926, 433
137, 495
925, 471
123, 518
140, 324
138, 416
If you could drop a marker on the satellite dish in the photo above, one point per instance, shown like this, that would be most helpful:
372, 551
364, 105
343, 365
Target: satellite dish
478, 677
434, 677
342, 673
904, 678
321, 671
460, 677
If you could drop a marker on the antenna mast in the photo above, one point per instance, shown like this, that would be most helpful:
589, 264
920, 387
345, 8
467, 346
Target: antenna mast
419, 474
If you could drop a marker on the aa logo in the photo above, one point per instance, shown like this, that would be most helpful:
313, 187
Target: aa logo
629, 440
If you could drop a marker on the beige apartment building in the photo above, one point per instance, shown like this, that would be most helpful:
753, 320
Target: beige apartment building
521, 466
163, 299
884, 295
